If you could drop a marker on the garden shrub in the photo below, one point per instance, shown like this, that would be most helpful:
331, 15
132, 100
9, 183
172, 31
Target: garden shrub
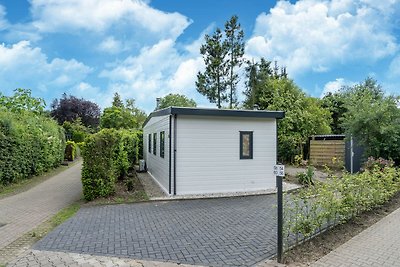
71, 151
30, 144
314, 208
306, 178
107, 156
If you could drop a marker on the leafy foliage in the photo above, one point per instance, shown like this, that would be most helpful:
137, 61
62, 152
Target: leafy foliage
335, 103
107, 157
176, 100
29, 145
76, 131
306, 178
72, 151
120, 116
373, 118
304, 115
117, 118
70, 108
22, 100
326, 204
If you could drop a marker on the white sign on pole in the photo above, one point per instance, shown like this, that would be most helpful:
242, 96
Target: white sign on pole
279, 170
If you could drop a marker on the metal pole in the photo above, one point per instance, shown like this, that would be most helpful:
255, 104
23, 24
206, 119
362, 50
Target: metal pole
280, 217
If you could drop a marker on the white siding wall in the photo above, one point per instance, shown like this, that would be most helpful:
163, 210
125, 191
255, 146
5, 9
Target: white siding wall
208, 159
158, 167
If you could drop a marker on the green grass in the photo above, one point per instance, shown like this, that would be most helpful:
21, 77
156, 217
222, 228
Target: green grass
24, 185
65, 214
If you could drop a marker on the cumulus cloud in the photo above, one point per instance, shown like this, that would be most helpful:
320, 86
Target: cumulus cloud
155, 72
3, 20
335, 86
22, 65
111, 45
101, 15
312, 35
394, 67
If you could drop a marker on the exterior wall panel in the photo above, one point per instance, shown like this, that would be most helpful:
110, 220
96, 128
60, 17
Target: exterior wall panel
208, 155
157, 166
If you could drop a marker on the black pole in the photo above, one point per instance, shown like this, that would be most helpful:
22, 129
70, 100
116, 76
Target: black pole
280, 217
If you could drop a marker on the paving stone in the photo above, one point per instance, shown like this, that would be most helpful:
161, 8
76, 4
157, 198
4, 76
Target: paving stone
378, 245
216, 232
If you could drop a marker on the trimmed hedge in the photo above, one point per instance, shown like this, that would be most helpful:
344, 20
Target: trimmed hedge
30, 144
72, 151
107, 156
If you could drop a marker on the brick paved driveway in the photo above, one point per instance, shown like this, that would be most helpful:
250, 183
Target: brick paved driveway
218, 232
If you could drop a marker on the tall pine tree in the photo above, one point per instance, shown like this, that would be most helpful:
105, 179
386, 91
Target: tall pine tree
235, 43
212, 83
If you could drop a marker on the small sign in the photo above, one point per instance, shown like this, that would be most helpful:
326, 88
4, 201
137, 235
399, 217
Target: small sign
279, 170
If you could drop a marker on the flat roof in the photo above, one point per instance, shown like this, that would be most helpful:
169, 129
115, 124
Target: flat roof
216, 112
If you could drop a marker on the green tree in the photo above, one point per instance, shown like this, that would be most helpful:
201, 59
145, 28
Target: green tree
176, 100
212, 83
373, 118
22, 100
334, 102
139, 115
117, 118
117, 102
235, 44
120, 115
304, 115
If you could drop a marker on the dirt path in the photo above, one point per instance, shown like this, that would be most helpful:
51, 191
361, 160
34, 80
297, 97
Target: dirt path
23, 212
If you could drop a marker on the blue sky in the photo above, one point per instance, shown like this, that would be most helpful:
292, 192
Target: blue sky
147, 49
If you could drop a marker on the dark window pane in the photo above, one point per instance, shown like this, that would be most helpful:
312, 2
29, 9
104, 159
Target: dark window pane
155, 143
162, 144
246, 145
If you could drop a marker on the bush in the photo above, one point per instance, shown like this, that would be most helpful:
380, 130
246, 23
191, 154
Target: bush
379, 163
306, 178
107, 157
30, 144
72, 151
323, 205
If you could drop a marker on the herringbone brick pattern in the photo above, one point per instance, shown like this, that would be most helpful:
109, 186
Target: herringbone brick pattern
218, 232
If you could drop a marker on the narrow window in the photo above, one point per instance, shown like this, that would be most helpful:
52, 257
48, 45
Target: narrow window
246, 145
149, 143
162, 145
155, 143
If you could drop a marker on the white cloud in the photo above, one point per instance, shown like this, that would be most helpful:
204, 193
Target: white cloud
158, 70
22, 65
335, 86
3, 20
394, 67
101, 15
316, 35
186, 74
111, 46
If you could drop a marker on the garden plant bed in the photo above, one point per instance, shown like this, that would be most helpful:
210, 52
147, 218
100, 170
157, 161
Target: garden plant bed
122, 195
312, 250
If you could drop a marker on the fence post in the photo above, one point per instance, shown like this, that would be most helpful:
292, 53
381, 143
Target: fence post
280, 218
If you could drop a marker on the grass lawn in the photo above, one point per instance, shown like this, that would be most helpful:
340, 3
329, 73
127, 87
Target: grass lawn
24, 185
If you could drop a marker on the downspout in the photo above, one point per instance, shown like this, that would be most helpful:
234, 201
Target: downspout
170, 155
175, 127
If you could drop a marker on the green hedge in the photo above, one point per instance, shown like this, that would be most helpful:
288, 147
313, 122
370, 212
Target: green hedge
72, 151
313, 208
107, 156
30, 144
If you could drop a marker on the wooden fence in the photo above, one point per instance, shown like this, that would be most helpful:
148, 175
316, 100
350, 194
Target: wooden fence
327, 152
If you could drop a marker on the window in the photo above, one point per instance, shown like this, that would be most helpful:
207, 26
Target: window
149, 143
155, 143
162, 145
246, 145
